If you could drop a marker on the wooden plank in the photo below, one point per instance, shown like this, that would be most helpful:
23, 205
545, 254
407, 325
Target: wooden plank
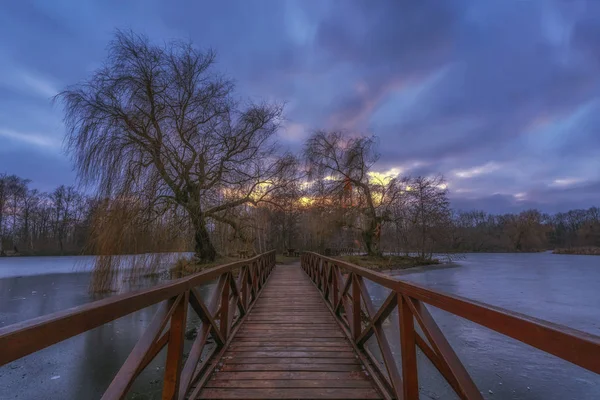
356, 309
292, 367
283, 343
276, 329
175, 349
468, 389
240, 359
292, 339
291, 317
410, 380
298, 393
295, 383
300, 314
384, 311
205, 313
382, 340
224, 317
288, 354
241, 349
133, 364
295, 326
210, 366
296, 334
288, 375
191, 363
289, 336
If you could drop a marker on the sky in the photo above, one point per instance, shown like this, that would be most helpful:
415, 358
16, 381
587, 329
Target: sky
501, 97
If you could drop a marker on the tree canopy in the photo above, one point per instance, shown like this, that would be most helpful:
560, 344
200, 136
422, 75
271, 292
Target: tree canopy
157, 126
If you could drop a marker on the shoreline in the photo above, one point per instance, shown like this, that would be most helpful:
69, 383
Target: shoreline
578, 251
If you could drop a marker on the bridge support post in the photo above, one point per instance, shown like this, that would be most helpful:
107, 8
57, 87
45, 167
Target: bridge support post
410, 380
356, 323
224, 318
175, 349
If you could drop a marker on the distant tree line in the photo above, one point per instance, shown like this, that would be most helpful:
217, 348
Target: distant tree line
64, 221
414, 217
531, 230
33, 222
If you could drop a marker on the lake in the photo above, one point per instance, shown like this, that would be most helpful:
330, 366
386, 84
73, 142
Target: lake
559, 288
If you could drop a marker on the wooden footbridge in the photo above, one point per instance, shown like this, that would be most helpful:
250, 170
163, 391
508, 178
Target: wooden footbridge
293, 332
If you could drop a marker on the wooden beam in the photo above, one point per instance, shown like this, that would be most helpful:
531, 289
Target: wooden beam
175, 349
410, 379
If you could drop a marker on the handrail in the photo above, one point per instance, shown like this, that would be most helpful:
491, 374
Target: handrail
231, 298
343, 287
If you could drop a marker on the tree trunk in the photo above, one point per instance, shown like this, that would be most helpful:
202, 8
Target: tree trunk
204, 248
371, 237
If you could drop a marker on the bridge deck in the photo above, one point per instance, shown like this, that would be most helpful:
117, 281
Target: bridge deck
289, 347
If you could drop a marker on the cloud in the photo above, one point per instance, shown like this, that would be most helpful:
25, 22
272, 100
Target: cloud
295, 132
475, 171
503, 98
565, 182
29, 138
41, 86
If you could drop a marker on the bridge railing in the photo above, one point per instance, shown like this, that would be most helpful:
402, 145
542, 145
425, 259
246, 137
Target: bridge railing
237, 288
343, 288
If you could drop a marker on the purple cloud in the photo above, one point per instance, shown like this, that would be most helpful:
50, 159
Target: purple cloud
502, 98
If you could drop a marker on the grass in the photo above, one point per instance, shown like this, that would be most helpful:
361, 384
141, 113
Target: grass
387, 262
281, 259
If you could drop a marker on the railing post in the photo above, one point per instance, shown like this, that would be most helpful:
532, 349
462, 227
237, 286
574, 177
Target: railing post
326, 292
356, 310
225, 309
175, 349
334, 286
410, 380
243, 287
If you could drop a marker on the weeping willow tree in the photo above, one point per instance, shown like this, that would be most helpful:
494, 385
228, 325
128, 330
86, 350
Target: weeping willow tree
157, 123
131, 242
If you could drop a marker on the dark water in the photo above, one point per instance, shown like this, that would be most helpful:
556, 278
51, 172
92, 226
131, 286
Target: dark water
563, 289
560, 288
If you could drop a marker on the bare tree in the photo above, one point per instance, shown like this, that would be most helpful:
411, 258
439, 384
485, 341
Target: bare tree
156, 123
345, 165
430, 213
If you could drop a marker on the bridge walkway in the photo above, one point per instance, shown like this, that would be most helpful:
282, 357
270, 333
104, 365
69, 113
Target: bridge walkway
289, 347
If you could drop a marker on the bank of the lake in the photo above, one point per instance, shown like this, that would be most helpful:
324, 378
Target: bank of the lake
558, 288
584, 251
388, 262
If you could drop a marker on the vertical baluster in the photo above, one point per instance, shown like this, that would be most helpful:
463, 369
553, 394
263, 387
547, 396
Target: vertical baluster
323, 277
175, 349
242, 285
329, 282
334, 285
225, 308
356, 325
326, 280
410, 381
318, 272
